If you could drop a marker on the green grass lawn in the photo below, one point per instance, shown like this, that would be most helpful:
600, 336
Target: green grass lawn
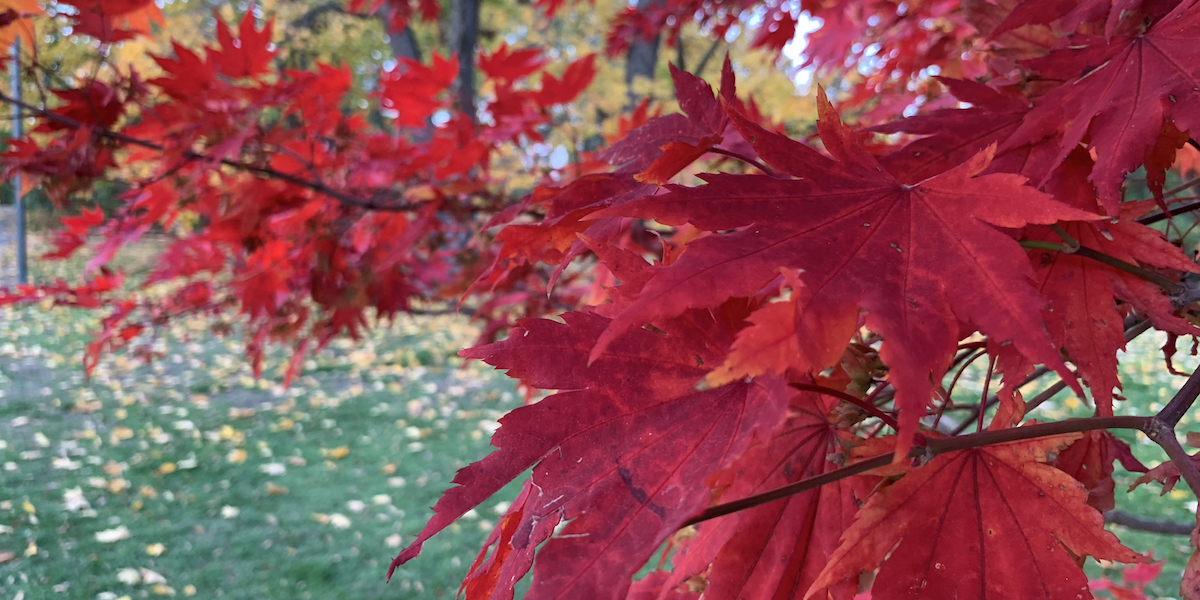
188, 477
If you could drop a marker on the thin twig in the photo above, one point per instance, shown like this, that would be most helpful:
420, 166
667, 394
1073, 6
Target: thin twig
791, 489
316, 186
843, 396
1137, 523
933, 447
1133, 329
1152, 219
1045, 395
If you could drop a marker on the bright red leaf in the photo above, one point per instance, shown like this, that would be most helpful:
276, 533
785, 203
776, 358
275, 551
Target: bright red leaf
623, 457
778, 549
993, 522
1118, 94
919, 258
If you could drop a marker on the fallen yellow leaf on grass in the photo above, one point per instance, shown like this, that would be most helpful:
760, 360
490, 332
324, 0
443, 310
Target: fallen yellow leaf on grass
389, 468
117, 486
31, 549
336, 453
155, 549
6, 556
236, 457
321, 518
112, 468
166, 468
119, 433
241, 413
297, 461
286, 424
27, 507
189, 590
109, 536
276, 490
163, 590
148, 492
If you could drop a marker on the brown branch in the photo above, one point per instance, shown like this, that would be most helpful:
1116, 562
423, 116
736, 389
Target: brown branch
1182, 401
1136, 523
1159, 428
791, 489
933, 447
372, 203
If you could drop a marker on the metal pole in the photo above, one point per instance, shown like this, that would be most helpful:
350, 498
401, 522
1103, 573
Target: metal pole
18, 201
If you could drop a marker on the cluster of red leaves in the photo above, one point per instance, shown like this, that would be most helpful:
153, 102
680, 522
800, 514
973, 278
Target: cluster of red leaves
867, 270
308, 215
865, 266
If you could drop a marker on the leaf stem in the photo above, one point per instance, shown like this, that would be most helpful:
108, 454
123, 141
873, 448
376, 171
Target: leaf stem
746, 159
1132, 330
859, 402
1072, 244
1167, 285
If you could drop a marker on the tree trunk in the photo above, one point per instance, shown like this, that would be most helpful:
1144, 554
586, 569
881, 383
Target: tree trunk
642, 57
404, 44
464, 35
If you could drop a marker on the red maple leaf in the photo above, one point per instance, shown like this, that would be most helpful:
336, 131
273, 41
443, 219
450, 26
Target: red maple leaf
564, 88
1085, 318
511, 65
415, 90
919, 258
1118, 94
247, 56
1014, 531
623, 457
1090, 461
775, 550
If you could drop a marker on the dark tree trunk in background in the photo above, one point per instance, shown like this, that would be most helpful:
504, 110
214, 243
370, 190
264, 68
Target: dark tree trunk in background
642, 57
404, 44
464, 35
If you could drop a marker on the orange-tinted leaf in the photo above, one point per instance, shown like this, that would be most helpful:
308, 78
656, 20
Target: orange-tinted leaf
16, 19
676, 156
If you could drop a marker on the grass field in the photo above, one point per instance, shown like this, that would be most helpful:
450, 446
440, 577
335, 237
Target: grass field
221, 486
188, 477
